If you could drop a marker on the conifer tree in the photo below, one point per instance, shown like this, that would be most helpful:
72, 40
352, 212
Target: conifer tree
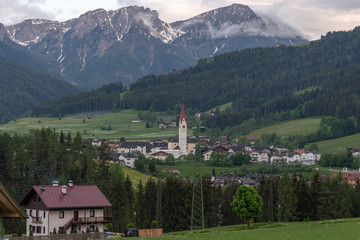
287, 199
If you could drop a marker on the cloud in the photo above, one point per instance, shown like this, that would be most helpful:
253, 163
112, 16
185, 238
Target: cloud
13, 11
265, 27
315, 18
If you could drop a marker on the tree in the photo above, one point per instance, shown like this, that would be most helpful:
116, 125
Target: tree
247, 203
287, 199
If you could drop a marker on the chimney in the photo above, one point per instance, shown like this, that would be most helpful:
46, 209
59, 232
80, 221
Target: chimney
55, 183
63, 189
42, 188
71, 183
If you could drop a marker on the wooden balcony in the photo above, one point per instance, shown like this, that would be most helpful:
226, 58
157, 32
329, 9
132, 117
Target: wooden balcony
36, 219
104, 219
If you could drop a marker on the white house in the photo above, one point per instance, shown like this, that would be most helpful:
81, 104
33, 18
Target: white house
64, 208
129, 159
132, 147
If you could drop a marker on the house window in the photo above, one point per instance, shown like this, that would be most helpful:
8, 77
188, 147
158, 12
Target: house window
44, 230
92, 228
92, 213
30, 213
44, 214
38, 229
61, 214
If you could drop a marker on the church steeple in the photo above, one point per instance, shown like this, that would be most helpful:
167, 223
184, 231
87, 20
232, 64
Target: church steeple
182, 115
182, 132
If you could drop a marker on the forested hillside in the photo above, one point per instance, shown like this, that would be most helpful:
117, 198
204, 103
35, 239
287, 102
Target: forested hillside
315, 79
320, 78
22, 88
106, 98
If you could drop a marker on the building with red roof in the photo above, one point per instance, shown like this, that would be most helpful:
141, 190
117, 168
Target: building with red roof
64, 208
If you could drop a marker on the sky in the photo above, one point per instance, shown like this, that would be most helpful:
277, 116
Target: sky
313, 18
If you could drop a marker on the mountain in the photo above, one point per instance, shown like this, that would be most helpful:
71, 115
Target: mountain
320, 78
102, 46
229, 29
22, 88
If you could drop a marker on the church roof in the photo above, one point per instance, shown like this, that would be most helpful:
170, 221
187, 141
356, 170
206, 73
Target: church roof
182, 115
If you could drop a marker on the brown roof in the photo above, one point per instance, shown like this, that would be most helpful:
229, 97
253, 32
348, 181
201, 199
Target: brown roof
78, 196
182, 115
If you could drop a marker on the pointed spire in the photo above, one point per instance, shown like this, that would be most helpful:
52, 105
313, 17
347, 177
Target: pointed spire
182, 115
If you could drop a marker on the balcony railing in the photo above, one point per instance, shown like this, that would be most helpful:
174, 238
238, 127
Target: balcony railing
104, 219
36, 219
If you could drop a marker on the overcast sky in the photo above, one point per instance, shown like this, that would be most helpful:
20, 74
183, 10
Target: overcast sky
311, 17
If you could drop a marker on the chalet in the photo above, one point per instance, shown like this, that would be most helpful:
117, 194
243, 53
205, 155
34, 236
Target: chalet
355, 151
218, 149
160, 155
129, 159
64, 208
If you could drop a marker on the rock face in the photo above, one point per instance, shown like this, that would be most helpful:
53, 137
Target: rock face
102, 46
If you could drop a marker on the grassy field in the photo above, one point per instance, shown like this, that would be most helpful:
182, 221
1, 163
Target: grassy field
348, 229
94, 126
301, 126
339, 144
136, 176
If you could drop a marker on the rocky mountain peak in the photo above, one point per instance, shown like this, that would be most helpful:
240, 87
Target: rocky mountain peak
103, 46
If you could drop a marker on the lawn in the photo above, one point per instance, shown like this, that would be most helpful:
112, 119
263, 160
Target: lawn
301, 126
335, 229
103, 125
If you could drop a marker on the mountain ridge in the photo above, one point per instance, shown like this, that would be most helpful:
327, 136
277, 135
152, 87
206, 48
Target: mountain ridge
75, 48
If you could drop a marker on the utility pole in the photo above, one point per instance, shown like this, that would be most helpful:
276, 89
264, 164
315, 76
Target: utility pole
197, 214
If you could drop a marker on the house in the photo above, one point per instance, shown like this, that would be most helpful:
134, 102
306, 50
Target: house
350, 178
160, 155
64, 208
252, 139
129, 159
131, 147
218, 149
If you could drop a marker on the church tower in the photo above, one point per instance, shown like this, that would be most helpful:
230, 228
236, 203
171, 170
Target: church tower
182, 132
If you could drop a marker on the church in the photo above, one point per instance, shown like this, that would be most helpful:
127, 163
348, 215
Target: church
181, 144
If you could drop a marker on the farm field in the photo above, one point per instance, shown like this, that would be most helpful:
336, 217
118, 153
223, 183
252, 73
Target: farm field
100, 125
301, 126
331, 230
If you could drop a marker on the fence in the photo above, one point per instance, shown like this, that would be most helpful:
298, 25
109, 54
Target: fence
151, 232
73, 236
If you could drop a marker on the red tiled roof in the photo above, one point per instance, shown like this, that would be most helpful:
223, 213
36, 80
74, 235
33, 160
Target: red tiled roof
78, 196
182, 115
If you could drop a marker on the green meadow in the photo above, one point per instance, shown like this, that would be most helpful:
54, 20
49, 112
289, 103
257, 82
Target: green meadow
348, 229
301, 126
339, 144
100, 125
